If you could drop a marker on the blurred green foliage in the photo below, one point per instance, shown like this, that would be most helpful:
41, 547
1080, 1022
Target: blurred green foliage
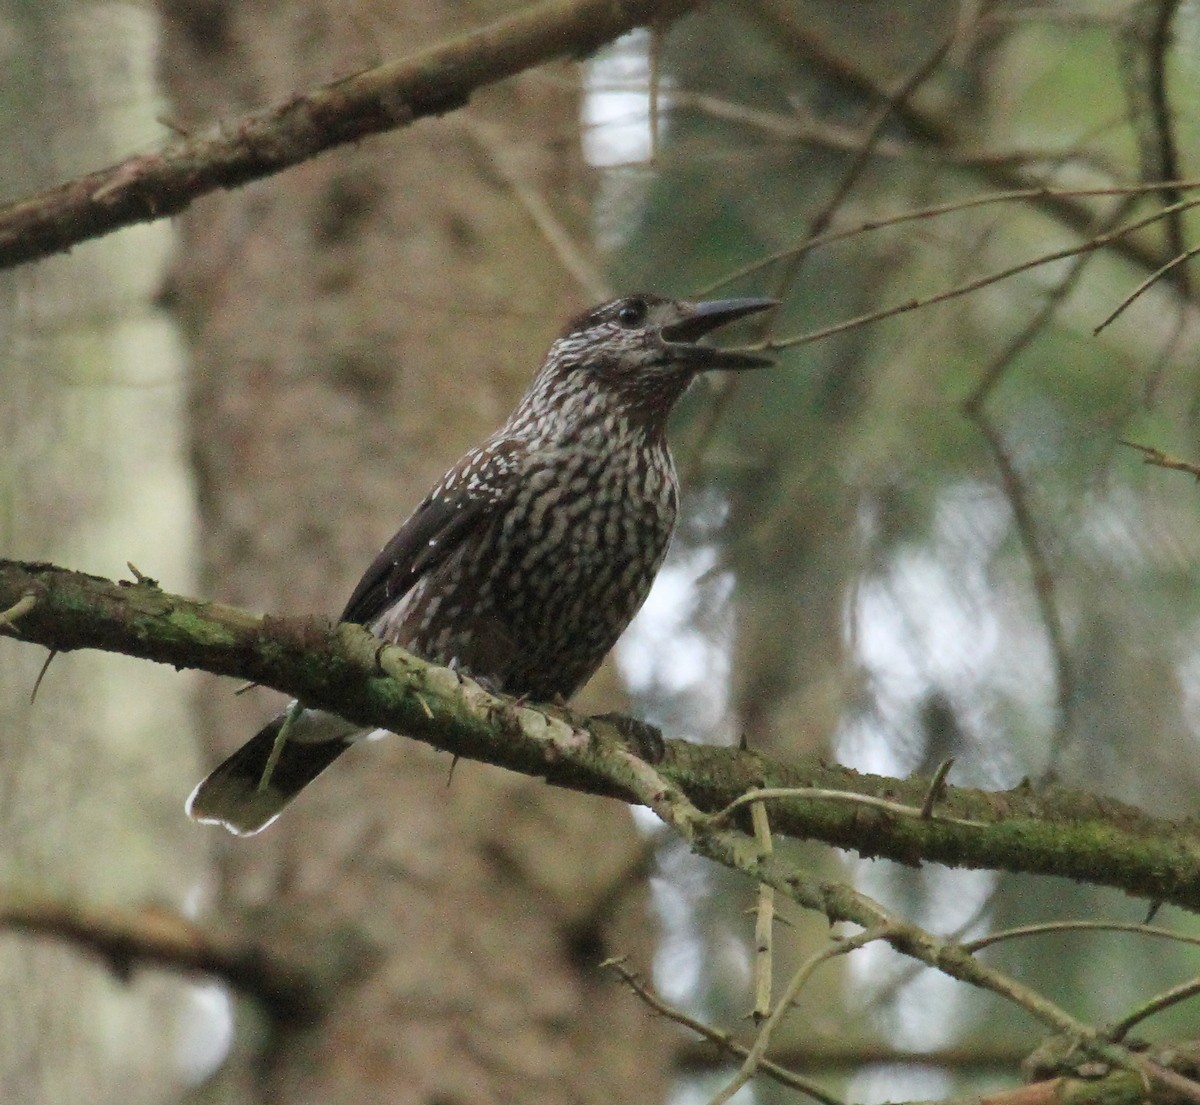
885, 603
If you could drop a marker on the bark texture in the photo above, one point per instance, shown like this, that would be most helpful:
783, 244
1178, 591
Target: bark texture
356, 324
87, 784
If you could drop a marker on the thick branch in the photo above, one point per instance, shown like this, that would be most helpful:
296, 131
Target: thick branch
160, 938
342, 668
386, 97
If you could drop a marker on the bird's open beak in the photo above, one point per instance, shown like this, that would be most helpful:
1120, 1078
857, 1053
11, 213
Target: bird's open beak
699, 319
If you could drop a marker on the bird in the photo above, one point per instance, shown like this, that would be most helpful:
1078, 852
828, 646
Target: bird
530, 556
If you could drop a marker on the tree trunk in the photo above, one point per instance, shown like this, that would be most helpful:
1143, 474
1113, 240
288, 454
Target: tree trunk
92, 472
356, 324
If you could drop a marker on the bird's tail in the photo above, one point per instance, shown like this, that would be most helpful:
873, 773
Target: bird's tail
235, 795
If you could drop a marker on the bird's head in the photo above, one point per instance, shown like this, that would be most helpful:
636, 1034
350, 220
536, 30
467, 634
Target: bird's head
636, 356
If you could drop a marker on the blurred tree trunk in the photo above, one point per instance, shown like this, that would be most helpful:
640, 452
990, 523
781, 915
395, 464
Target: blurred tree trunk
93, 769
356, 324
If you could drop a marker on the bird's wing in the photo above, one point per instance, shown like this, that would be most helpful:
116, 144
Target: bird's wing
466, 498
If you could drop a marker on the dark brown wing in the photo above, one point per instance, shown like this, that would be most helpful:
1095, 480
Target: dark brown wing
465, 498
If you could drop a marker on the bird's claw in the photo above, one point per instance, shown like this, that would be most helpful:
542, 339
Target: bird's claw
492, 686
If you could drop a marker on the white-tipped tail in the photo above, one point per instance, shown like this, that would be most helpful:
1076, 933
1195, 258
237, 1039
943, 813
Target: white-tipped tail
234, 796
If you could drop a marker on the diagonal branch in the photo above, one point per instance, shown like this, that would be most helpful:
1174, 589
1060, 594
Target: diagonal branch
126, 939
342, 668
385, 97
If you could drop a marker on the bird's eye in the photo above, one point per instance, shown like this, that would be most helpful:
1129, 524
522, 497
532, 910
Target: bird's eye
632, 313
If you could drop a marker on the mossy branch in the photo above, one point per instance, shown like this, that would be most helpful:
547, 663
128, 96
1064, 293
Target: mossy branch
344, 669
699, 792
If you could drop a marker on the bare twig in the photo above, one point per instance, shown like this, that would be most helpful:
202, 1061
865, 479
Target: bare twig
818, 794
1091, 245
1018, 195
764, 922
991, 376
654, 92
569, 251
975, 408
718, 1037
138, 575
937, 787
762, 1040
841, 138
1159, 459
1145, 285
37, 683
842, 1054
1156, 1004
891, 106
1044, 590
793, 260
1048, 927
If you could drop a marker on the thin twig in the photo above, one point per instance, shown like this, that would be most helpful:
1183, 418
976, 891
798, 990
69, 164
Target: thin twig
762, 1040
1145, 285
1159, 459
566, 248
991, 376
794, 260
1156, 1004
654, 91
281, 738
775, 794
1016, 195
854, 169
937, 788
841, 138
1046, 927
1044, 589
842, 1053
718, 1037
763, 922
857, 77
1090, 246
37, 683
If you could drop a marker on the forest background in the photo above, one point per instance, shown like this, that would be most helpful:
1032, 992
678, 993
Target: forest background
919, 539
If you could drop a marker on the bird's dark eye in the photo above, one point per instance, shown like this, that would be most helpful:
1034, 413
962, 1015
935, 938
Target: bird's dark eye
632, 313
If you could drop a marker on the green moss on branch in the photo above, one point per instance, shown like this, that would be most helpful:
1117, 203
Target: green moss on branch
342, 668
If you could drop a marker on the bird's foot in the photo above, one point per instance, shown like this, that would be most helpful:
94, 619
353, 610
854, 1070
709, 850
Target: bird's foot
492, 686
644, 739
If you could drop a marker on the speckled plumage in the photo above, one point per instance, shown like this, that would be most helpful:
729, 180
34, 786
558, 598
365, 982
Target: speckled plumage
528, 559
